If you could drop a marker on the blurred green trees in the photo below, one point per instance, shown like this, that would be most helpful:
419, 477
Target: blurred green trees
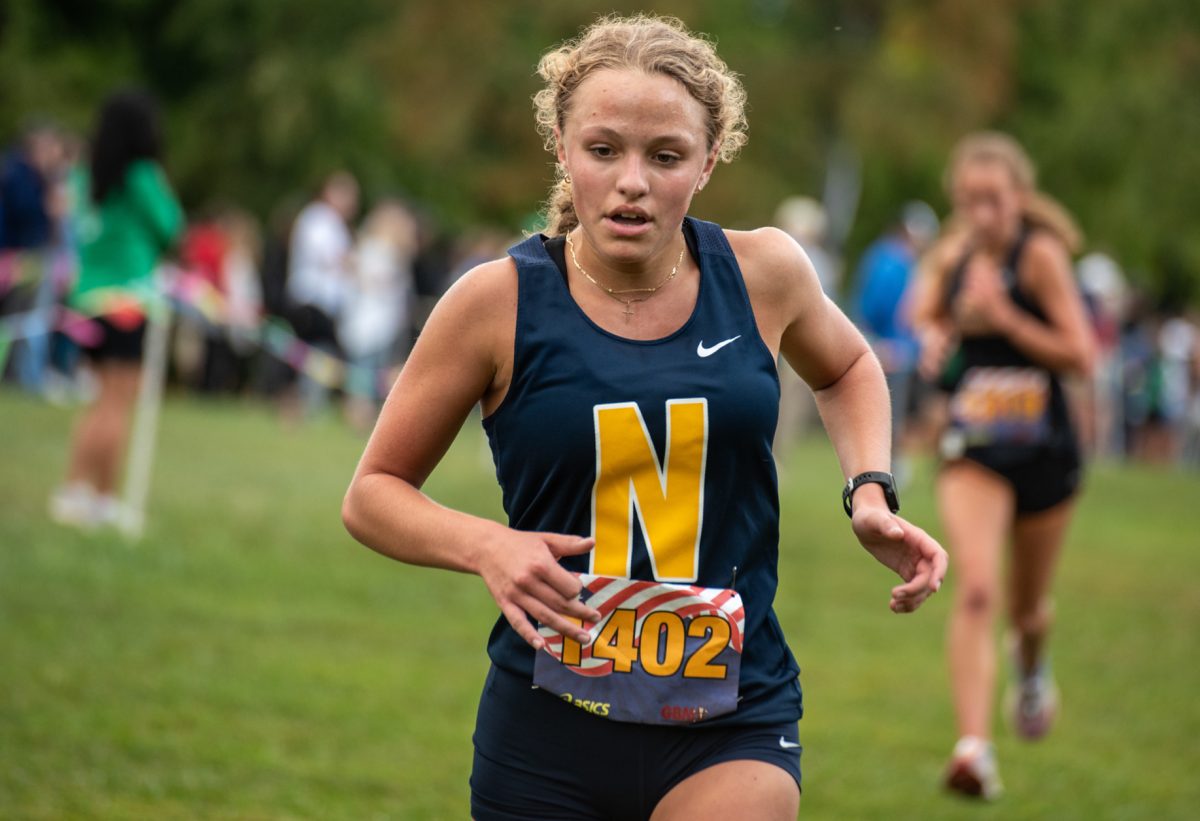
432, 99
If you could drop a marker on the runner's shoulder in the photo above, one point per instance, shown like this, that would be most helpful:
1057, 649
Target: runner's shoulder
484, 293
1046, 267
773, 264
477, 312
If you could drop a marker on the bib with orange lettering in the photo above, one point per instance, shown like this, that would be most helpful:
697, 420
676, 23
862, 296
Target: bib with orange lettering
661, 653
1002, 406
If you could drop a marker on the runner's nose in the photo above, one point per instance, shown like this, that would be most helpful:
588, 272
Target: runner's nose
632, 182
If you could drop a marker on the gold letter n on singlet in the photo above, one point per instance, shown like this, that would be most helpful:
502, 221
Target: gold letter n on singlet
666, 500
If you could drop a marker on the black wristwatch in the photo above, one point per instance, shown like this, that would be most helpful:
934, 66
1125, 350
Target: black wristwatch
877, 477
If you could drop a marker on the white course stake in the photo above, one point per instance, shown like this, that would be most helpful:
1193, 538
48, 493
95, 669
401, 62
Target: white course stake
145, 424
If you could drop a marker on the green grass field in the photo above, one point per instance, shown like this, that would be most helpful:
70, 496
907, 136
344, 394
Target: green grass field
246, 659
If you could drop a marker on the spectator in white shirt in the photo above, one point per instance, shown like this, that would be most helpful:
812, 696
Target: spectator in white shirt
320, 274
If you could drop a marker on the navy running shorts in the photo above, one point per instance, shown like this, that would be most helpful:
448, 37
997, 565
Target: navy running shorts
537, 757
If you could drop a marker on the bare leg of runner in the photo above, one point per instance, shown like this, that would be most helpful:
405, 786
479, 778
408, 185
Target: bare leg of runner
99, 440
1037, 544
733, 789
977, 510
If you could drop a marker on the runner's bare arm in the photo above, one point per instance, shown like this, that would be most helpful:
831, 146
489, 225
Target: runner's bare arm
829, 353
462, 357
935, 330
1064, 342
796, 319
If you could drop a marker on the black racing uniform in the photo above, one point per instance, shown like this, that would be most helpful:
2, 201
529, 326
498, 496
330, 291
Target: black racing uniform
1008, 412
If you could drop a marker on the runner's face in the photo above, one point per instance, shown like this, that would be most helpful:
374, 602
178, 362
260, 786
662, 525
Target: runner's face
636, 148
986, 196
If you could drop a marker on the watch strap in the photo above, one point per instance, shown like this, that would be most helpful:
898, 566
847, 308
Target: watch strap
878, 477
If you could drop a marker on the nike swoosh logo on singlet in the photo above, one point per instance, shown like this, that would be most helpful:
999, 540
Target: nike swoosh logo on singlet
787, 745
702, 351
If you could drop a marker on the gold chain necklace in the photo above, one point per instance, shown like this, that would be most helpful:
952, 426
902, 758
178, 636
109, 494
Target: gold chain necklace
614, 292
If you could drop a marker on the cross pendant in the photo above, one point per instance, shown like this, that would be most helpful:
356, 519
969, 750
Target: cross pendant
628, 310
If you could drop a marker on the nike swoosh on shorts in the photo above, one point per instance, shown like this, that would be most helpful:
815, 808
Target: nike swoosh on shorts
702, 351
787, 745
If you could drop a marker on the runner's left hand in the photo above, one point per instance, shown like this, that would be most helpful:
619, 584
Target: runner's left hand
898, 544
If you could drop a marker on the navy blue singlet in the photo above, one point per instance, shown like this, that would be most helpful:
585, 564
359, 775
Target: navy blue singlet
689, 418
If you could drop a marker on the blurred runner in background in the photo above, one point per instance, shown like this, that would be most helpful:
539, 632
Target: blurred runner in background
1000, 321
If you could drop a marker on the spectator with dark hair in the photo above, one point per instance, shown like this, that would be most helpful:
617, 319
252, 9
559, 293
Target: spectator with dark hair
272, 375
129, 218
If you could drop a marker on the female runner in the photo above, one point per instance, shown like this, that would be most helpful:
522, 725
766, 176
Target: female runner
1000, 321
625, 365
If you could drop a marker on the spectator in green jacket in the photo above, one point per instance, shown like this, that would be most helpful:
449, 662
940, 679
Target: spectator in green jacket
128, 219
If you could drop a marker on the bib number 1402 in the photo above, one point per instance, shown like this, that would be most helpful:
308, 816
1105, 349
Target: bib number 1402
660, 646
660, 653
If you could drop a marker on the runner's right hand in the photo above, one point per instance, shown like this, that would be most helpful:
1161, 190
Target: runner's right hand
523, 575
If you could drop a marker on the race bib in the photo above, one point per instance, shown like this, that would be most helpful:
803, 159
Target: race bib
660, 653
1002, 406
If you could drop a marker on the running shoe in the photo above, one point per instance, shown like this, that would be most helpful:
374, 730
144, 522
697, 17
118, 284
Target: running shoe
1032, 703
74, 504
972, 771
108, 512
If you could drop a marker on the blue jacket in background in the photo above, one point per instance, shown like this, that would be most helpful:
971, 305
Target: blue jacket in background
883, 276
24, 223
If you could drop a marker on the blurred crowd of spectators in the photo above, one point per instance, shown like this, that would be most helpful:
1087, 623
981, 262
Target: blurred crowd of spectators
338, 284
326, 297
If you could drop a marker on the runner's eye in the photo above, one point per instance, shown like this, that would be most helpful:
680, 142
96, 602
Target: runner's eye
602, 151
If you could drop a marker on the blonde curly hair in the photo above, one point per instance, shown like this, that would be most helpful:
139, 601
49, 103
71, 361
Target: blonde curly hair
646, 43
